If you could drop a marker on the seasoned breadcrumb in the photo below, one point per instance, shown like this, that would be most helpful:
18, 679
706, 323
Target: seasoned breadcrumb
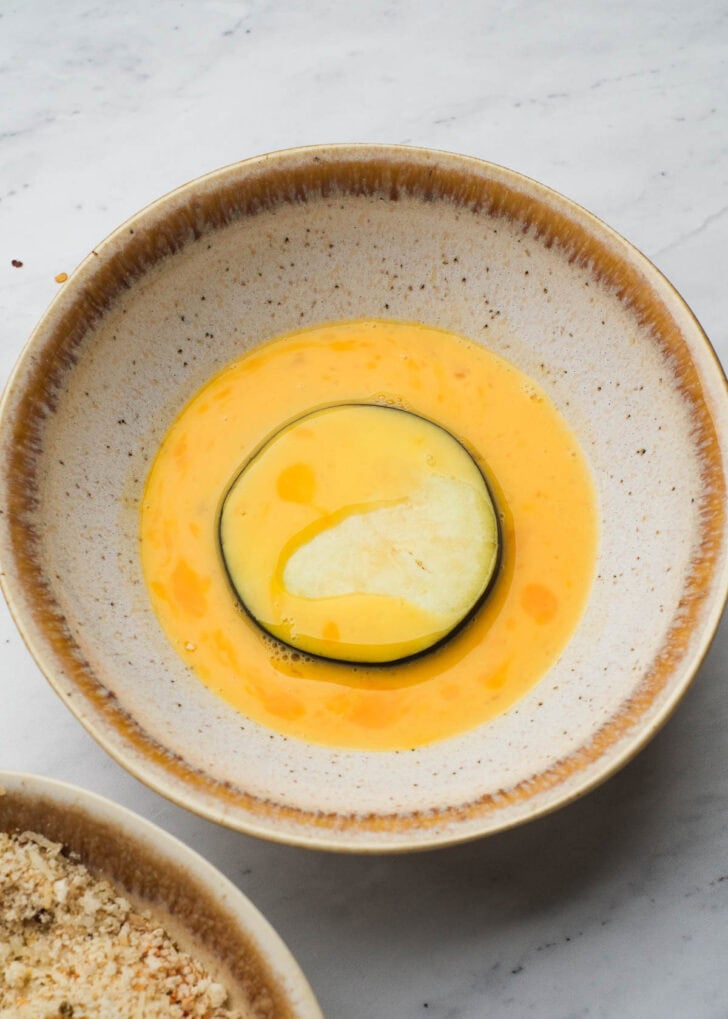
71, 947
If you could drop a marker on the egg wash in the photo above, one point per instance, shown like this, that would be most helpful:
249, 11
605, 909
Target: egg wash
369, 534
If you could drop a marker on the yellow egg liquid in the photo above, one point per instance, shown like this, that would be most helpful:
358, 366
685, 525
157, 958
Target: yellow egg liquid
536, 471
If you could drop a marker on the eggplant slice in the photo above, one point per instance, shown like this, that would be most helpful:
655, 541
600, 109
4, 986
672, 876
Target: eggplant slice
360, 533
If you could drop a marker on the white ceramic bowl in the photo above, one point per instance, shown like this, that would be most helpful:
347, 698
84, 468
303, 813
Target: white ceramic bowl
334, 233
206, 914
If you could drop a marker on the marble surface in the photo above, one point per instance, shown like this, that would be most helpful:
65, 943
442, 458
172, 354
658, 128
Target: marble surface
618, 905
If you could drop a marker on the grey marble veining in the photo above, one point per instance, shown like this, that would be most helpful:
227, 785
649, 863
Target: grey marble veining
618, 905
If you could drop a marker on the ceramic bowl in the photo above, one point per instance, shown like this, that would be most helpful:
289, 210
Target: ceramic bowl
303, 236
206, 914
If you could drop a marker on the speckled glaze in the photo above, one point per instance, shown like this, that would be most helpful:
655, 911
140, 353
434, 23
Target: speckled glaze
309, 235
206, 914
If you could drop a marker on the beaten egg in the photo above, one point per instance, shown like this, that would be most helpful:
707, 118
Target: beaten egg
369, 534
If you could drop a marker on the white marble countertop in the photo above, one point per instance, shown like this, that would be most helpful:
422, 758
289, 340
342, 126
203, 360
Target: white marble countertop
618, 905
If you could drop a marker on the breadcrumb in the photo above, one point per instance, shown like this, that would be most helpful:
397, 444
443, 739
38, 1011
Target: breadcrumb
72, 947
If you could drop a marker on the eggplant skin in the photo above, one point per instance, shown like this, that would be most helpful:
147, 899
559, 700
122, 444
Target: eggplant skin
374, 655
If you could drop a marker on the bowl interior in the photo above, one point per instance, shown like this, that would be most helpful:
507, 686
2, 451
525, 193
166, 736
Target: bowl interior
304, 237
202, 912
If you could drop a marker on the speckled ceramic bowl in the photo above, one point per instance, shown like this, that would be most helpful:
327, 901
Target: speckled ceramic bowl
205, 914
296, 238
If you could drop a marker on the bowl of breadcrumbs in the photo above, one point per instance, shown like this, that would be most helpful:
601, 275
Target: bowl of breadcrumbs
104, 915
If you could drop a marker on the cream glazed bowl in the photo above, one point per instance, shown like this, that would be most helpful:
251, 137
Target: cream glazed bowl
311, 235
203, 912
